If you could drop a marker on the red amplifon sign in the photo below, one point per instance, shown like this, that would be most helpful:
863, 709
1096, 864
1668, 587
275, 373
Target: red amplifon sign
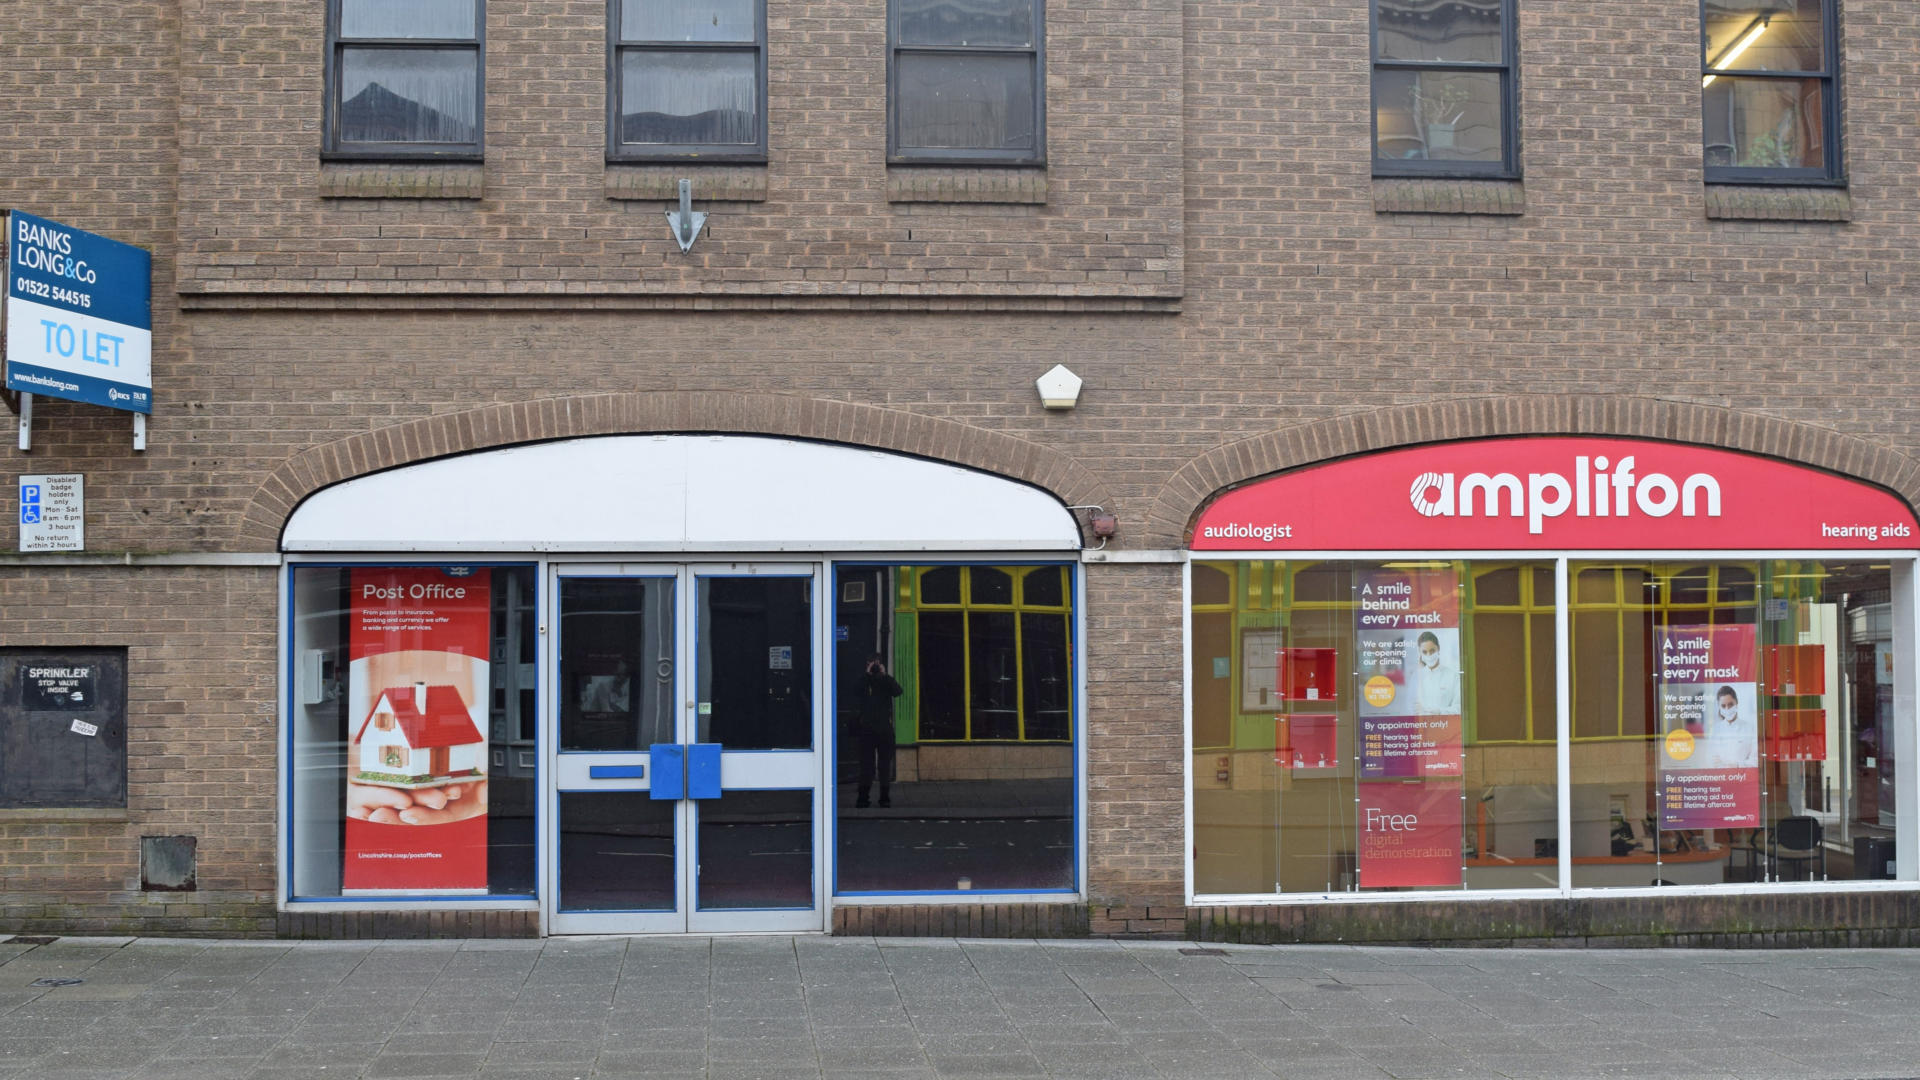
1555, 492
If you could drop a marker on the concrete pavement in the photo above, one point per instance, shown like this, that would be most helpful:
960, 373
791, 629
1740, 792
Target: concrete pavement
745, 1008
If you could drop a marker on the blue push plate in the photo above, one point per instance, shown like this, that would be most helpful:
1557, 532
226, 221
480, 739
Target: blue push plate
617, 772
669, 761
703, 771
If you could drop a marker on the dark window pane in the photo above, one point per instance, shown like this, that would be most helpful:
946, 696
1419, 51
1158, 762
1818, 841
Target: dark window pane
616, 663
1597, 674
1438, 115
407, 18
1212, 678
940, 585
753, 672
992, 586
755, 851
982, 102
1764, 123
965, 22
1688, 586
1045, 586
1319, 583
1500, 701
688, 20
943, 672
1045, 680
1763, 35
1212, 585
993, 664
1500, 587
408, 95
1448, 30
705, 97
616, 852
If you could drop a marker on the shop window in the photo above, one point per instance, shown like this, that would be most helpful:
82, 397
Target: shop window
1768, 94
405, 80
1731, 724
1764, 714
687, 79
1347, 758
966, 82
414, 768
1444, 88
956, 748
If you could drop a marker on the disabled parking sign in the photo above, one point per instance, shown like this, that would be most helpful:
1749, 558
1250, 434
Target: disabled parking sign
53, 512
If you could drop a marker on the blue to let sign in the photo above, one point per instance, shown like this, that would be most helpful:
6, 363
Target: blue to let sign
79, 315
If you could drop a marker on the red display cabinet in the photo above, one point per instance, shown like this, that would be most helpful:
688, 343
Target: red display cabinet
1309, 674
1306, 741
1797, 734
1793, 670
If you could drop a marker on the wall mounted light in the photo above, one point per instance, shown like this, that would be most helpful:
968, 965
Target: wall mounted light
1059, 388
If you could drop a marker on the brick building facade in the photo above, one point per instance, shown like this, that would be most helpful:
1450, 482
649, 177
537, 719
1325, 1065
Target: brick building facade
1206, 244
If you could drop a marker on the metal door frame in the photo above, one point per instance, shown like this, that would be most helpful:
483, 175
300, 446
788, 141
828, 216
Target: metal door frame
565, 771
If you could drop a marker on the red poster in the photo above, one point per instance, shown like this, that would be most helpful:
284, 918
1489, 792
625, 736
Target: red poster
417, 746
1709, 716
1409, 834
1407, 639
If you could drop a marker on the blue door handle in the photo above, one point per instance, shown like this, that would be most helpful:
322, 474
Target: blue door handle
703, 771
669, 762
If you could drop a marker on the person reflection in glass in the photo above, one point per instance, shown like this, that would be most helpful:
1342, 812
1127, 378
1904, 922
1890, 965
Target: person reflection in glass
874, 731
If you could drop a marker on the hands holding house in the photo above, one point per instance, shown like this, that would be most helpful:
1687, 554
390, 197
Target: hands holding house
421, 806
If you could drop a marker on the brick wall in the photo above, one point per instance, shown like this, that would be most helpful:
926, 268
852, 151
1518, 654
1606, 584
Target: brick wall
818, 220
1210, 256
201, 751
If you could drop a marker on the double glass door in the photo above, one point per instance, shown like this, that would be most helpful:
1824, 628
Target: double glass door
688, 772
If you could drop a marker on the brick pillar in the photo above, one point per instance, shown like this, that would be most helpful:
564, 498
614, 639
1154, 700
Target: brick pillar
1136, 864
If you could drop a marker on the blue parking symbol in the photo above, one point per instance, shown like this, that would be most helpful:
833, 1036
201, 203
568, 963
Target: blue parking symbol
30, 515
29, 493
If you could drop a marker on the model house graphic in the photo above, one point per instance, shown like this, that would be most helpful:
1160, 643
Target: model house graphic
418, 737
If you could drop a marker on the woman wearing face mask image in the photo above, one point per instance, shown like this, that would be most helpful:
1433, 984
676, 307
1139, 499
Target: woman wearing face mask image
1731, 742
1436, 688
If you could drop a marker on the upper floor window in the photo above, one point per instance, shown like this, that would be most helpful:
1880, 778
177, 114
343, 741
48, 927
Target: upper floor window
966, 81
1771, 113
687, 78
1444, 97
404, 78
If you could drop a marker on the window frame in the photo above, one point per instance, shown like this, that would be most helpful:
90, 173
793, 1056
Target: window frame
1508, 167
332, 147
965, 607
723, 153
899, 154
1832, 172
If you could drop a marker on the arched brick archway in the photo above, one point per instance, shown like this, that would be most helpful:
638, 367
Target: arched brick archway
645, 413
1170, 517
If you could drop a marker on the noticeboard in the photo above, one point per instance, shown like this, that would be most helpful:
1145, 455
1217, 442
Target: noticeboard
63, 728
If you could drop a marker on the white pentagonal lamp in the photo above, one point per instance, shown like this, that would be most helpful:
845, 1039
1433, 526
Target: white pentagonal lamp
1059, 388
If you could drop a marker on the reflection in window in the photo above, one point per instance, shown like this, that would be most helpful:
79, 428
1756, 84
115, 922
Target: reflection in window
963, 782
966, 80
688, 80
403, 79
